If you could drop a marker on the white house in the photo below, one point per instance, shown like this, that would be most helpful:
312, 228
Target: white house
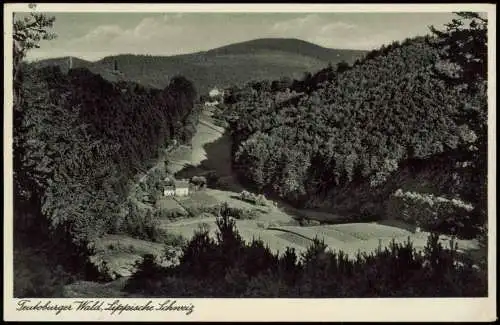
169, 191
211, 104
215, 92
181, 188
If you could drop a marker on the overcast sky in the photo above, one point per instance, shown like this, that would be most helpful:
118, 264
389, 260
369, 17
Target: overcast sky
92, 36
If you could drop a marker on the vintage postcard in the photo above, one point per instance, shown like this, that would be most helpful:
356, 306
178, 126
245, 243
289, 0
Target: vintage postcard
332, 162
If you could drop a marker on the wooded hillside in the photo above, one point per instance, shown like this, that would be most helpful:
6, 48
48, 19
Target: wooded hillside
234, 64
80, 139
309, 140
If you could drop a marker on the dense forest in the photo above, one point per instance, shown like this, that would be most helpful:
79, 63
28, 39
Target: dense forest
78, 142
405, 106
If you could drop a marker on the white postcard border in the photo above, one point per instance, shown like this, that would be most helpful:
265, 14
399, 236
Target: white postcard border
407, 309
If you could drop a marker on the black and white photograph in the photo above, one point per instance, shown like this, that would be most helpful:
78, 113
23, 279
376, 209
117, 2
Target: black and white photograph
156, 158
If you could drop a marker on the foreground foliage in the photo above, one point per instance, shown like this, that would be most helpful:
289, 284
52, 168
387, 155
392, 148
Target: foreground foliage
229, 267
78, 140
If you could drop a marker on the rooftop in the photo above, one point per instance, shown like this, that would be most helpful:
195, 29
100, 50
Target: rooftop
179, 184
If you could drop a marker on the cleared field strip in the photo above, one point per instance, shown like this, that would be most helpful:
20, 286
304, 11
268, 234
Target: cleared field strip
317, 215
295, 239
321, 232
121, 242
272, 239
369, 230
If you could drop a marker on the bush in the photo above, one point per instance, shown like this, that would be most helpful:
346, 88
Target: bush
148, 276
33, 278
252, 198
212, 179
199, 181
173, 240
305, 222
433, 213
173, 214
237, 213
142, 225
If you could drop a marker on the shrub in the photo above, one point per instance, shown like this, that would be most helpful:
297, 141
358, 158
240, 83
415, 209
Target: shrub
173, 214
261, 200
33, 278
199, 181
238, 213
173, 240
147, 277
306, 222
433, 213
145, 226
212, 179
252, 198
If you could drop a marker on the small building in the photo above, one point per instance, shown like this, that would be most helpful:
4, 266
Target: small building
181, 188
215, 92
175, 188
211, 104
169, 191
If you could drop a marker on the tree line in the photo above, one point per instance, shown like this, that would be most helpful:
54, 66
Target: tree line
78, 141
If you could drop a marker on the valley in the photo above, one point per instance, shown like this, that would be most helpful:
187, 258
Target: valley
276, 223
273, 167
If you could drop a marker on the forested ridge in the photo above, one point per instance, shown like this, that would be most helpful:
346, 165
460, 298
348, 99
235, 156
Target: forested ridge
220, 67
310, 140
85, 138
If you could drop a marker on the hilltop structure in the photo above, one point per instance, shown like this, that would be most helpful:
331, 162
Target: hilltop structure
216, 97
216, 93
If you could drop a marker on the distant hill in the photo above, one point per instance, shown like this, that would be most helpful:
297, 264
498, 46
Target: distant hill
228, 65
64, 63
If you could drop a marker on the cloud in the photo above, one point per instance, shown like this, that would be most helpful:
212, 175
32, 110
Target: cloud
147, 36
311, 24
360, 42
170, 17
339, 25
297, 23
103, 32
171, 33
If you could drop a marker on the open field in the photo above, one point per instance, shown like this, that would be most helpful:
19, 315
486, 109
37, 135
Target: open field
275, 224
88, 289
121, 252
168, 204
350, 238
